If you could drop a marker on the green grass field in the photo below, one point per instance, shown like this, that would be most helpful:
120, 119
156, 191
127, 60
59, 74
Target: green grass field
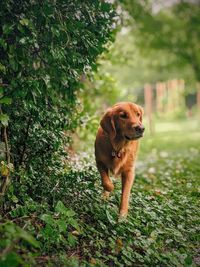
172, 135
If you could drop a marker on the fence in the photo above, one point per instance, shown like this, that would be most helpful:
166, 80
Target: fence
165, 98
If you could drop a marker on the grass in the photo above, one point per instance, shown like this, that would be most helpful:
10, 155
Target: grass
172, 136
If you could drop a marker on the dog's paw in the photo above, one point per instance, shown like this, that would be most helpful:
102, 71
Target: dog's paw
106, 195
108, 186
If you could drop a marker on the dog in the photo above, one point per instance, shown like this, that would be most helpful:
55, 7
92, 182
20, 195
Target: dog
116, 147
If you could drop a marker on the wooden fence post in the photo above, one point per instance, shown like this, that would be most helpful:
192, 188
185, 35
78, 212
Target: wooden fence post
148, 98
159, 107
160, 96
172, 95
198, 97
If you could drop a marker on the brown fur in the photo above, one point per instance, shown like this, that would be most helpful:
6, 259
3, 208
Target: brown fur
116, 146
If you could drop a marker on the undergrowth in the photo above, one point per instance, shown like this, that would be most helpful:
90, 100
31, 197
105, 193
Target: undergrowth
67, 223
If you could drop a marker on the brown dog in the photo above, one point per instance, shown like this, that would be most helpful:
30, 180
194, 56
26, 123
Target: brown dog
116, 147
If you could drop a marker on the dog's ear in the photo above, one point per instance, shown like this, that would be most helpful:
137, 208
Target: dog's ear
141, 112
107, 123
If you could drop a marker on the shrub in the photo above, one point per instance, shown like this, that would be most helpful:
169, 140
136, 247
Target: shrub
45, 49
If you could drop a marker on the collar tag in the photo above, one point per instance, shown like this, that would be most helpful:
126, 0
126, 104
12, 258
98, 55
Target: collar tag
113, 154
116, 154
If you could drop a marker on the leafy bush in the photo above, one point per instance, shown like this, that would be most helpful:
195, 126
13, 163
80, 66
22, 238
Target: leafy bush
45, 50
103, 90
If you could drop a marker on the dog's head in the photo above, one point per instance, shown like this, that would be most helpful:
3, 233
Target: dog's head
123, 120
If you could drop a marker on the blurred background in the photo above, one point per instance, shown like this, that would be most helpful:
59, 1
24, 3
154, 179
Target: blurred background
154, 62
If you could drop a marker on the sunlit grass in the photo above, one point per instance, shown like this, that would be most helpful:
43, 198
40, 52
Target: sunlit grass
171, 136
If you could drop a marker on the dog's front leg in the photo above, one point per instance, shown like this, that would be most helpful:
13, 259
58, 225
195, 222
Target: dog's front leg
127, 182
106, 182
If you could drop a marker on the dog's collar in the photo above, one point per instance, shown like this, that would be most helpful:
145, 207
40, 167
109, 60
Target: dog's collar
117, 154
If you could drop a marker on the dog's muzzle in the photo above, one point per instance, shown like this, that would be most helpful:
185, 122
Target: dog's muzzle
138, 132
139, 129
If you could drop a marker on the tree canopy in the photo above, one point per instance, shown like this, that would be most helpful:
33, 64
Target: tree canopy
174, 29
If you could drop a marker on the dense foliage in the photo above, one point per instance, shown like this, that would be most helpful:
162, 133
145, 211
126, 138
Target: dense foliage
132, 65
174, 29
45, 49
103, 90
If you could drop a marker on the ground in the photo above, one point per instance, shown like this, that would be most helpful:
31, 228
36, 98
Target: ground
73, 226
163, 226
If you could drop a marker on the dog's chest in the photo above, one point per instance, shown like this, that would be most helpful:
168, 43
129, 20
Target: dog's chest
120, 162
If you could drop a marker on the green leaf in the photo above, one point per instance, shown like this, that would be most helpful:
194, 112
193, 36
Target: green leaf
188, 260
4, 119
1, 88
60, 207
47, 218
110, 218
62, 225
4, 45
71, 240
14, 199
27, 237
73, 223
48, 231
11, 259
70, 213
2, 68
13, 63
105, 7
24, 22
7, 28
10, 228
19, 233
6, 100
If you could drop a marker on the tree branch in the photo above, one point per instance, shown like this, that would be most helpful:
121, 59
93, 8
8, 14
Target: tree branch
6, 178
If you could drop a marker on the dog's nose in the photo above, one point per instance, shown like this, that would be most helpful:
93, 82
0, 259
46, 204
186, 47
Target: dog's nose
139, 129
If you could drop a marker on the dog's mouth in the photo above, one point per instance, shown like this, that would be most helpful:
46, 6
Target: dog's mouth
135, 137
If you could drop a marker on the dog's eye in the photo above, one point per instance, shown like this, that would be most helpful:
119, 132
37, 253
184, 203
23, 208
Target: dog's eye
123, 115
138, 114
